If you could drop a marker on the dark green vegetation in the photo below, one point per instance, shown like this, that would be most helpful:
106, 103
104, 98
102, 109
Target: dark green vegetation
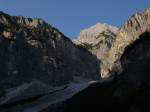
86, 46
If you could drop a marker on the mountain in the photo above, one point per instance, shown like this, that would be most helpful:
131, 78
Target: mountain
131, 47
97, 39
37, 62
42, 70
31, 49
89, 35
128, 62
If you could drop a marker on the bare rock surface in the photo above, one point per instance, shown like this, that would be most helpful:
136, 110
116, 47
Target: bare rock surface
136, 28
97, 39
31, 49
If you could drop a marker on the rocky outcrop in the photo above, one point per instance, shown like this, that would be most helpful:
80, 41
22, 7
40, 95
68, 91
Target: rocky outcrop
89, 35
40, 66
31, 49
97, 39
134, 30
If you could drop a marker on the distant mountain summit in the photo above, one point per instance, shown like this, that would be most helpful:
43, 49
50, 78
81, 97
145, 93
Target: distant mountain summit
97, 39
89, 35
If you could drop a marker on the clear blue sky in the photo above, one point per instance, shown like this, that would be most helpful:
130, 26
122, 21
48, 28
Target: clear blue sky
70, 16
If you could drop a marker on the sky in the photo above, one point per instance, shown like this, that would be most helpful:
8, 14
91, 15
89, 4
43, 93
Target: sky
71, 16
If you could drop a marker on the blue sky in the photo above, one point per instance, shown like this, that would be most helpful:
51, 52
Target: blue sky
70, 16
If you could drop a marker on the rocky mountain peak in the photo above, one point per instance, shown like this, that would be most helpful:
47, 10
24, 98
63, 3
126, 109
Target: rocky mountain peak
7, 19
97, 39
136, 29
89, 35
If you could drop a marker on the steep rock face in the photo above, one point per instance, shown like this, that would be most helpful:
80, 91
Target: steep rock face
136, 28
89, 35
127, 92
32, 49
129, 57
97, 39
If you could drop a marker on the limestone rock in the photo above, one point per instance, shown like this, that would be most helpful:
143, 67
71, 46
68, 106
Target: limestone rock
89, 35
97, 39
128, 63
7, 35
137, 27
32, 49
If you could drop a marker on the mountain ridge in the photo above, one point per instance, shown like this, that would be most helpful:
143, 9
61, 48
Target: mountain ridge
41, 70
27, 42
88, 35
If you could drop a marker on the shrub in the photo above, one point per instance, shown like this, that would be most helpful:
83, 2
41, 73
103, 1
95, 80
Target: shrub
86, 46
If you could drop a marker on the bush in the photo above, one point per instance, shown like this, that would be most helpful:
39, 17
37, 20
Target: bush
86, 46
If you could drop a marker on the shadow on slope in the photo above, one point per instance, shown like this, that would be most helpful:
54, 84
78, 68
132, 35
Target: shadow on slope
128, 92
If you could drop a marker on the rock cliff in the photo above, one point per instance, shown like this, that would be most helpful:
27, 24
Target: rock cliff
89, 35
97, 39
128, 63
133, 37
31, 49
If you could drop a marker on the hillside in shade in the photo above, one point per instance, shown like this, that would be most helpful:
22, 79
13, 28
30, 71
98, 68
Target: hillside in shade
31, 49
